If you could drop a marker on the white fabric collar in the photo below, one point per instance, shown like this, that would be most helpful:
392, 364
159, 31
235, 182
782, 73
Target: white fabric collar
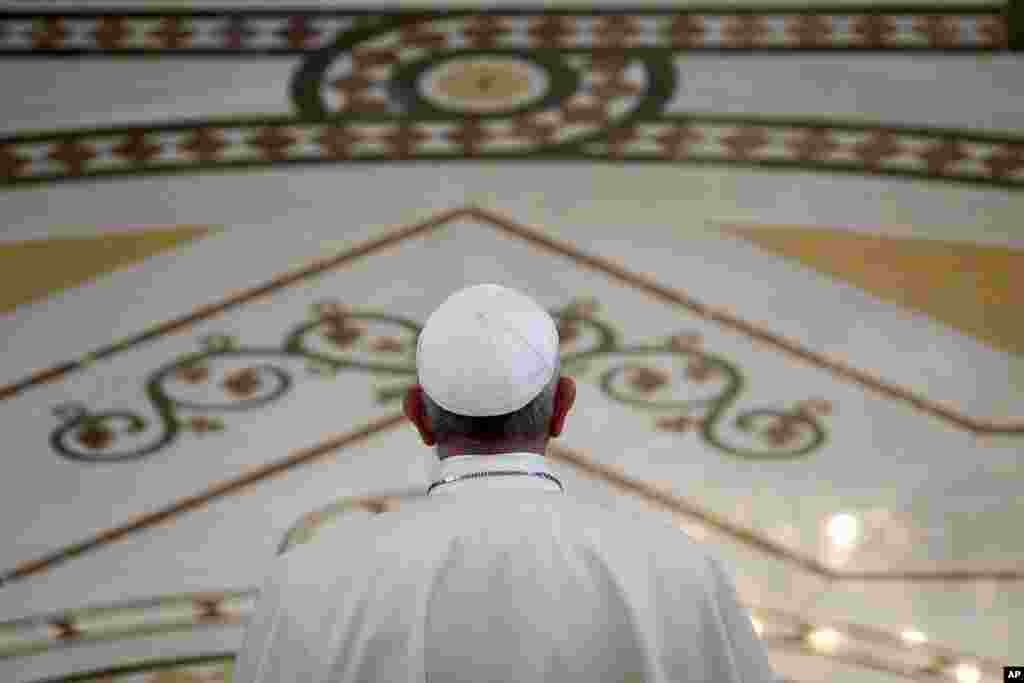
459, 465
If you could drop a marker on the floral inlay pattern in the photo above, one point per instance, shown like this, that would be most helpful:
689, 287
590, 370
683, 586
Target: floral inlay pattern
384, 345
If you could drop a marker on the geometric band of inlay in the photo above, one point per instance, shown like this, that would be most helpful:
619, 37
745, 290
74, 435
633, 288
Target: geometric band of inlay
952, 156
269, 32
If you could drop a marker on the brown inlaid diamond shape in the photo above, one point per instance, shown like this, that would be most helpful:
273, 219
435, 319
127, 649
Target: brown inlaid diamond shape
73, 155
483, 32
700, 370
11, 163
137, 148
95, 437
205, 144
992, 32
745, 31
351, 85
618, 139
193, 374
814, 144
575, 111
387, 345
615, 31
343, 332
63, 629
879, 146
687, 341
526, 126
809, 30
1007, 160
551, 31
941, 155
686, 31
243, 382
111, 32
645, 380
873, 30
273, 142
815, 406
743, 143
331, 310
203, 425
50, 34
609, 64
941, 31
404, 142
336, 142
170, 33
782, 431
676, 141
209, 609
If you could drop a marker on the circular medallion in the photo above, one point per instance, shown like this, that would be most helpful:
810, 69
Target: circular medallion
483, 85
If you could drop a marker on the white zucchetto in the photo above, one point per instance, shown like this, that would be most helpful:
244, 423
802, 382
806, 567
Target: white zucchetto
487, 350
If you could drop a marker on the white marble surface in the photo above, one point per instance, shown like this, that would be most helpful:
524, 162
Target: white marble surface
786, 501
873, 88
931, 496
100, 93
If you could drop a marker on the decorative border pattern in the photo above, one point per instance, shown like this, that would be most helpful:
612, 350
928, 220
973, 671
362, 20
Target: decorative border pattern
759, 142
338, 339
359, 99
230, 32
536, 238
209, 33
863, 647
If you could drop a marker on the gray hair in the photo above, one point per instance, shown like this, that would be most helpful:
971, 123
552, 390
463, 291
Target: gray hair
529, 422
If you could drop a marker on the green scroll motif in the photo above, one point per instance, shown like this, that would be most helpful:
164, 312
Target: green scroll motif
87, 436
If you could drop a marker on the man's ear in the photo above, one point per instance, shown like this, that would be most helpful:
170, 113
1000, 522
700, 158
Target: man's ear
414, 409
565, 396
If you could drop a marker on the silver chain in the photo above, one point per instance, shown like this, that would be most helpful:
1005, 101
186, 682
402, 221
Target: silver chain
451, 478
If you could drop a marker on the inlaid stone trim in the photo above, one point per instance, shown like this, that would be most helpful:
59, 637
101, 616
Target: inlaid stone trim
596, 119
864, 647
519, 85
255, 32
537, 238
807, 409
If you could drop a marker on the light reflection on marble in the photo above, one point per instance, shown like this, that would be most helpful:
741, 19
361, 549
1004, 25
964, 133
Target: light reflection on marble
976, 618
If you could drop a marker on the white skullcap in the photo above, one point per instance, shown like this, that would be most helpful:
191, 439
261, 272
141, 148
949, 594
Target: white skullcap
487, 350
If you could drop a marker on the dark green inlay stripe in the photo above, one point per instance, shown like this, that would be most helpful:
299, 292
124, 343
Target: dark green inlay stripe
234, 166
191, 52
80, 135
841, 125
143, 667
388, 12
1015, 24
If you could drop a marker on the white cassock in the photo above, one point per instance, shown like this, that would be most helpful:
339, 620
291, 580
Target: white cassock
500, 579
